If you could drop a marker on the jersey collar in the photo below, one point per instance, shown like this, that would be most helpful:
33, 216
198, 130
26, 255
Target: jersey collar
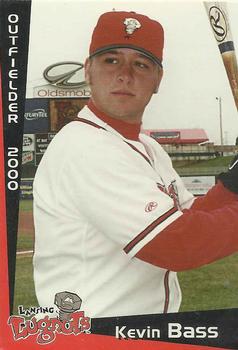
127, 130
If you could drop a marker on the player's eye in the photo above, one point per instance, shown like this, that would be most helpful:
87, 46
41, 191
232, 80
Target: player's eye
111, 60
144, 63
141, 65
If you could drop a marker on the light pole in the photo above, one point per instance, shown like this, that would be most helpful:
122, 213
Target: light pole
220, 118
226, 142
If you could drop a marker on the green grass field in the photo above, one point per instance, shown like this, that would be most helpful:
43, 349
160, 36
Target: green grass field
24, 286
210, 287
209, 163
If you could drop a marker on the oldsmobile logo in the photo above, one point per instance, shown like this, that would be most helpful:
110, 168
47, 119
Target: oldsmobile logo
66, 75
218, 22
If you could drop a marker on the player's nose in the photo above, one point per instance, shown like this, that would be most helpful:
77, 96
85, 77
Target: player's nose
125, 72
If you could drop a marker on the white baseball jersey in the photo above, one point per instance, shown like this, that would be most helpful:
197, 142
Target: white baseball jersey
98, 199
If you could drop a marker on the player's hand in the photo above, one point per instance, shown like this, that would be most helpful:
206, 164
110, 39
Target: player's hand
230, 178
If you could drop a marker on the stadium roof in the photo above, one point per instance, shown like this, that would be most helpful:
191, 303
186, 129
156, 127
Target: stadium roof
178, 136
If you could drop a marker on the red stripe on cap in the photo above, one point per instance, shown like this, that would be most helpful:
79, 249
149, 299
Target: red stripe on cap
149, 229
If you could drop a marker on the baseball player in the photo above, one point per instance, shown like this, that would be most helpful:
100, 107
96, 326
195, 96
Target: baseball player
113, 220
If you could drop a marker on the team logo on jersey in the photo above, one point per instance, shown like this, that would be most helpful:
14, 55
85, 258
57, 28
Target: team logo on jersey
172, 191
161, 187
151, 206
131, 25
69, 320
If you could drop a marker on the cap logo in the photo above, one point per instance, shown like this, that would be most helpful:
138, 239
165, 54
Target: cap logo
131, 25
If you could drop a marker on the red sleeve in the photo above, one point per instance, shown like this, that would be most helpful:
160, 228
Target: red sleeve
216, 198
198, 237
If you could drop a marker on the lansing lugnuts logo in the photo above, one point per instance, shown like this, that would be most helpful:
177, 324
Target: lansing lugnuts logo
131, 25
68, 321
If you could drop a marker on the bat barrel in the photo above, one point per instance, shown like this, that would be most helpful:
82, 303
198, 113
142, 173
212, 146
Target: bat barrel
230, 63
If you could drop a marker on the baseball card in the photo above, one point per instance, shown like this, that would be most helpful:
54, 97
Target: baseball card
119, 174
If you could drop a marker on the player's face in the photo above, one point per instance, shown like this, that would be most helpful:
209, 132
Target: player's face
122, 82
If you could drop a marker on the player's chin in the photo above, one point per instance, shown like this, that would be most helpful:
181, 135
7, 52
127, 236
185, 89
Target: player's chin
125, 107
128, 114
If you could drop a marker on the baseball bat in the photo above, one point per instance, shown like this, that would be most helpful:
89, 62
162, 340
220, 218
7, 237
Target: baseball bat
219, 21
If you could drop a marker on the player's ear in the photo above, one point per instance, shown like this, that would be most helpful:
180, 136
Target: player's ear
87, 65
159, 77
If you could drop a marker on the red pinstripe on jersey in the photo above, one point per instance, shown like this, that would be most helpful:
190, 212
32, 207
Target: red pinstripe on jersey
167, 291
89, 122
149, 229
86, 121
135, 149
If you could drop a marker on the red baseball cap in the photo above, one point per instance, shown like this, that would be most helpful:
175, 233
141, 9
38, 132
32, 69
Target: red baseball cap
128, 30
